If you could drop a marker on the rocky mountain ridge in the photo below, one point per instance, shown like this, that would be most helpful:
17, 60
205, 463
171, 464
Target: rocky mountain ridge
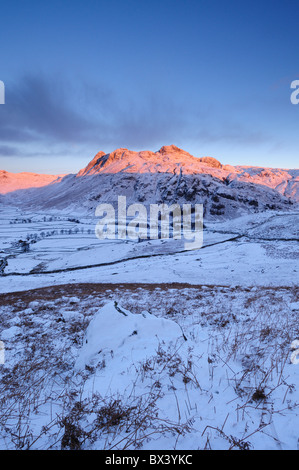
170, 175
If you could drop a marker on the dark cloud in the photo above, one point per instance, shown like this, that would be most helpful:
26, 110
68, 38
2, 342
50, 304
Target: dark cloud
52, 113
36, 109
48, 112
8, 151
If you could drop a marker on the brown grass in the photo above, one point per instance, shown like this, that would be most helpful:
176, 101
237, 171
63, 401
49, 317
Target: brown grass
85, 289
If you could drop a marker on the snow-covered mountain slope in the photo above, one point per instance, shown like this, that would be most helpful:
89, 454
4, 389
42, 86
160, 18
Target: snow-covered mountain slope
284, 181
171, 159
170, 175
13, 181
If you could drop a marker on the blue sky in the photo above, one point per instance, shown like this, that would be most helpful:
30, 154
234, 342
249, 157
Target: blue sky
209, 76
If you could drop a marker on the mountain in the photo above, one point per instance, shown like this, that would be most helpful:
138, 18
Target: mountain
169, 175
171, 159
12, 181
284, 181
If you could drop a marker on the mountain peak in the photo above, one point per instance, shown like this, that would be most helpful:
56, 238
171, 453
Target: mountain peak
91, 164
211, 162
166, 149
166, 160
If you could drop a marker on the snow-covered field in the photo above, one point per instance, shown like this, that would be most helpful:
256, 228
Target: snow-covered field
116, 344
259, 249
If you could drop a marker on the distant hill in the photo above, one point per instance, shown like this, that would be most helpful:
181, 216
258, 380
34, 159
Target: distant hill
12, 181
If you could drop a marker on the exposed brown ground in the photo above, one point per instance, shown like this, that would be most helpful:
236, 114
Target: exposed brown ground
85, 289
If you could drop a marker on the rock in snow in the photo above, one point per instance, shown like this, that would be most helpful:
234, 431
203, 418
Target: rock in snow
117, 333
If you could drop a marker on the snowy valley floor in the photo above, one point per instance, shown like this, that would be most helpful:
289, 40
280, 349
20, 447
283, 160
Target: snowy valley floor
180, 350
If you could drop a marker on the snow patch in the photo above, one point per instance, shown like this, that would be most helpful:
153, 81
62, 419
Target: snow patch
10, 333
116, 332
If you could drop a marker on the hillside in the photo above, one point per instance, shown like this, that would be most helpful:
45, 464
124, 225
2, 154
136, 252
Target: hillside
13, 181
170, 175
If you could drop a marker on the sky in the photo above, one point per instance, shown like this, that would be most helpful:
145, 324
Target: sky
211, 77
